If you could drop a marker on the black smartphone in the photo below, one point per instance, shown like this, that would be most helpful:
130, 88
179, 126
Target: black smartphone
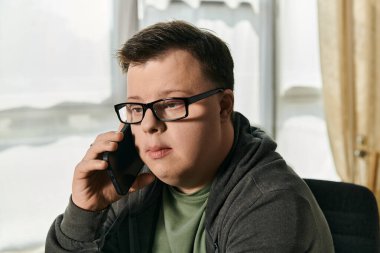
124, 164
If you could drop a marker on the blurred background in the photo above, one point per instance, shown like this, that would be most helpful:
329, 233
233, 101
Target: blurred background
59, 79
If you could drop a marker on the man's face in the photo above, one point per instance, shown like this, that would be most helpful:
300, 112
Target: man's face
184, 153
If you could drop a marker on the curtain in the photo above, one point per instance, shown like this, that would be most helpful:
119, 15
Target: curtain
350, 63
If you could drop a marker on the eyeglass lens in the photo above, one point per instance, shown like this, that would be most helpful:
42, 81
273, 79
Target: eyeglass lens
169, 109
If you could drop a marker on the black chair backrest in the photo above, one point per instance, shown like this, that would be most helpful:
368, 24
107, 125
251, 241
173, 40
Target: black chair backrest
352, 214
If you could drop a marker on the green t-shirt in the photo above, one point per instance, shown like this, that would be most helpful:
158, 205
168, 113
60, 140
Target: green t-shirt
180, 226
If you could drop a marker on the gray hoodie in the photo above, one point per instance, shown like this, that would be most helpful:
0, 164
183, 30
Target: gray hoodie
256, 204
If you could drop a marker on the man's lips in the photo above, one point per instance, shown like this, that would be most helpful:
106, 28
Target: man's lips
158, 152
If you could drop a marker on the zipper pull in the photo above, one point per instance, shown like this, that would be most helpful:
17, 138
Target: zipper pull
216, 248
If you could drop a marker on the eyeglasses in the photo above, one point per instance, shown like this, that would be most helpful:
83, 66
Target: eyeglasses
167, 109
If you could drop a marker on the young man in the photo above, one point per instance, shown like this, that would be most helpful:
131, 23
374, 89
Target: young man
214, 183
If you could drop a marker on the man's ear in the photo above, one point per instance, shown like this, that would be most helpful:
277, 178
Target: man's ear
226, 105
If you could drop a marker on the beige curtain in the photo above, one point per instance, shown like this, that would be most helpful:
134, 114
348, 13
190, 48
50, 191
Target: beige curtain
350, 62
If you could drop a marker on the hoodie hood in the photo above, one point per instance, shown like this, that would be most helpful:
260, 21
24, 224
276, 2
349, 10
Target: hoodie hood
251, 148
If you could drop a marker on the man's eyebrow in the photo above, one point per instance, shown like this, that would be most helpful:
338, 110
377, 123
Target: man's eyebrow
163, 94
168, 92
134, 98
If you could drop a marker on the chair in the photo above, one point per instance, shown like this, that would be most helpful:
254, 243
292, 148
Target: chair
352, 214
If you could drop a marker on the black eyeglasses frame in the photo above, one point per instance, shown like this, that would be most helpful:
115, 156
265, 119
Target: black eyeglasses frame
187, 100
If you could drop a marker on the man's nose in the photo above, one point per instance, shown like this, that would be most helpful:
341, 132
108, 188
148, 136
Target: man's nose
150, 124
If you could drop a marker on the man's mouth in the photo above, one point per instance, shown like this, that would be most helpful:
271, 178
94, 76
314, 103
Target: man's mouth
158, 152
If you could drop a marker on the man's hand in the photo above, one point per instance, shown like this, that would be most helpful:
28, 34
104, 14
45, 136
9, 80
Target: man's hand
92, 189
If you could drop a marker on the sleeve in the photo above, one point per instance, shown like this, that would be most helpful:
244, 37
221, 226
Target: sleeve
280, 221
77, 230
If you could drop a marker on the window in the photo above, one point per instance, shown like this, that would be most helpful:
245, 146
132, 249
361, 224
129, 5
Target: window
247, 28
301, 131
59, 80
56, 94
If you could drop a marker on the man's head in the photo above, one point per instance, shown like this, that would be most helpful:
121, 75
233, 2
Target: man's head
211, 52
185, 153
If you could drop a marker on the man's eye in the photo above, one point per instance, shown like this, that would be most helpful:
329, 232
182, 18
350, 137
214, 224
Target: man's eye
173, 104
135, 109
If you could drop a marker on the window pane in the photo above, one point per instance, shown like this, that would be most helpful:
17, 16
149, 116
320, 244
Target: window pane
54, 51
241, 28
55, 80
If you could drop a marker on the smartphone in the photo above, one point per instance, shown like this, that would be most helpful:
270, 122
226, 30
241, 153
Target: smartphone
124, 164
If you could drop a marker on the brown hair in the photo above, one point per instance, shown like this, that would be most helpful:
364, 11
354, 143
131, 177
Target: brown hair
211, 52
